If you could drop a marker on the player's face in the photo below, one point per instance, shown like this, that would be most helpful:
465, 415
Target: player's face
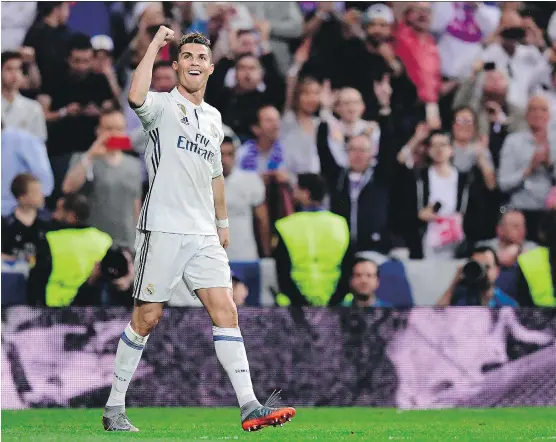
12, 74
164, 79
228, 157
194, 66
365, 278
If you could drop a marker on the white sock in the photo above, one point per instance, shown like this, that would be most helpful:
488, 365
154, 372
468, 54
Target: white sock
128, 356
231, 354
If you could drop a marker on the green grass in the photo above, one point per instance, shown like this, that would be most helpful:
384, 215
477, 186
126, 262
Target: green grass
325, 424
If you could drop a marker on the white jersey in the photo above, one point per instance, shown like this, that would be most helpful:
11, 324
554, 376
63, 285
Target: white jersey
182, 156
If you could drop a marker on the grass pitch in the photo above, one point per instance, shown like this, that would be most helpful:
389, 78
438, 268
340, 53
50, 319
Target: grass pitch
324, 424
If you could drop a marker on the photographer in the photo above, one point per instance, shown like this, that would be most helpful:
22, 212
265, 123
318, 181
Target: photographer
474, 282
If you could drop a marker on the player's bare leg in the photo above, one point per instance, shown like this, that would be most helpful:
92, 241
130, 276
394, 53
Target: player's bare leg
230, 351
144, 318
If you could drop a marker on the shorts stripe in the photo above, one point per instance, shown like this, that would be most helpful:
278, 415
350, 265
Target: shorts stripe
142, 263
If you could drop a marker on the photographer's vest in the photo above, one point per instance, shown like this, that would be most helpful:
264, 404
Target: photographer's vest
74, 254
316, 243
535, 266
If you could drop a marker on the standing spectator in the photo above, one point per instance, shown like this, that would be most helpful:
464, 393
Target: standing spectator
17, 110
26, 226
517, 60
299, 124
418, 51
365, 279
103, 62
240, 105
360, 192
67, 257
111, 179
285, 22
22, 153
72, 106
245, 196
527, 161
49, 37
313, 254
537, 268
438, 196
510, 238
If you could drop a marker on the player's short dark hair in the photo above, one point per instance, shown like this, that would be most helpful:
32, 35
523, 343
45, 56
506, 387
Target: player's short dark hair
314, 183
479, 250
162, 64
10, 55
79, 42
360, 259
79, 205
197, 38
20, 184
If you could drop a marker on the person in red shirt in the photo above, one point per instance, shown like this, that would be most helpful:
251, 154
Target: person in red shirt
417, 49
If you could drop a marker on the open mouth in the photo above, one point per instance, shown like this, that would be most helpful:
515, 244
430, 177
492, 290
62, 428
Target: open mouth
194, 72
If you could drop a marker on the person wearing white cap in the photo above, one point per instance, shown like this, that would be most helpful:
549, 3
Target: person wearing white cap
103, 62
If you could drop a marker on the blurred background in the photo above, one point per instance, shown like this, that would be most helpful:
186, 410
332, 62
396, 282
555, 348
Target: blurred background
386, 155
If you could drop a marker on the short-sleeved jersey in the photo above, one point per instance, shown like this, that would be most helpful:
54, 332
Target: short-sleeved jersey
182, 157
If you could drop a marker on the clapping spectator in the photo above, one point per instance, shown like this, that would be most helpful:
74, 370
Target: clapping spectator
527, 171
510, 239
23, 229
22, 153
299, 123
17, 110
111, 179
246, 202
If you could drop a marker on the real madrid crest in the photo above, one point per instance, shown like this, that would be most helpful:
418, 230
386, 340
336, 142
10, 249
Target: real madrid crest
214, 131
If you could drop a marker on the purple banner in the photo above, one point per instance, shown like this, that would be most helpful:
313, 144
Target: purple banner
418, 358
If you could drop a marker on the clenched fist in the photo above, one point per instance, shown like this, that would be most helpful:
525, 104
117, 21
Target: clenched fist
163, 36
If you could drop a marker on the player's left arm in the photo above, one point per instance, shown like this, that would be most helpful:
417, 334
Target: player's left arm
220, 210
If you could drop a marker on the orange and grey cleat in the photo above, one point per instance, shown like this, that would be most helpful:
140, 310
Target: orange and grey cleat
265, 415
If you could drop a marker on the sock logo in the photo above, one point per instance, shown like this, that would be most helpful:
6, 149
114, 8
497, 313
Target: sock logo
242, 370
119, 378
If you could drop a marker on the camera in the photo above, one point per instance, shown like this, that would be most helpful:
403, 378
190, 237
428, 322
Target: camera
474, 276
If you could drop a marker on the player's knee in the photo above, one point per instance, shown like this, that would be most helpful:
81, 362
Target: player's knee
146, 318
225, 315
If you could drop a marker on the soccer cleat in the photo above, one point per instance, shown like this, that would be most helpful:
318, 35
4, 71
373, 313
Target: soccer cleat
118, 422
266, 415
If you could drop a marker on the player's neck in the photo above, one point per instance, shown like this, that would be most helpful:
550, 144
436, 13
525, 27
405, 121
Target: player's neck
195, 97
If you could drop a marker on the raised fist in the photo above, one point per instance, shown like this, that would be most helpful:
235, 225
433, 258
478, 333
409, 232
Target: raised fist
163, 36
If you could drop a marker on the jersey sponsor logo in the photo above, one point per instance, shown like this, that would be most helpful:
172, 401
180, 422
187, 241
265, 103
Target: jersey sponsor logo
198, 146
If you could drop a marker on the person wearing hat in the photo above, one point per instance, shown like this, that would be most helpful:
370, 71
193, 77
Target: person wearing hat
67, 256
103, 62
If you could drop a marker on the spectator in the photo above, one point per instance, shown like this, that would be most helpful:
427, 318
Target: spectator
510, 238
313, 254
285, 23
245, 196
165, 78
485, 293
103, 62
516, 60
439, 197
111, 179
22, 153
418, 51
67, 257
240, 105
240, 292
49, 37
370, 60
414, 153
26, 226
299, 124
537, 268
111, 281
17, 110
72, 105
527, 161
365, 279
361, 191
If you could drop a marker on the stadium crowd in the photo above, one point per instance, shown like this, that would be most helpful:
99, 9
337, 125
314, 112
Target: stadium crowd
420, 129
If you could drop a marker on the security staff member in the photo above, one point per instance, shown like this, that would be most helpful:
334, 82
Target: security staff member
313, 250
537, 268
67, 256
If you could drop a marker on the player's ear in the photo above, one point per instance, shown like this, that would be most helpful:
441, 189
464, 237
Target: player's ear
175, 65
211, 69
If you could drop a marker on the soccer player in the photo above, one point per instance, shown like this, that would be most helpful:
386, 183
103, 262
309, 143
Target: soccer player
183, 227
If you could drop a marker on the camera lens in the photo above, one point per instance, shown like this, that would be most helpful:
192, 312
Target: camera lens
473, 272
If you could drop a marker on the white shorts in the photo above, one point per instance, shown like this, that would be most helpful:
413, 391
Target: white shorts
163, 260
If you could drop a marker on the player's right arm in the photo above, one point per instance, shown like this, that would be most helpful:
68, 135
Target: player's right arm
148, 106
